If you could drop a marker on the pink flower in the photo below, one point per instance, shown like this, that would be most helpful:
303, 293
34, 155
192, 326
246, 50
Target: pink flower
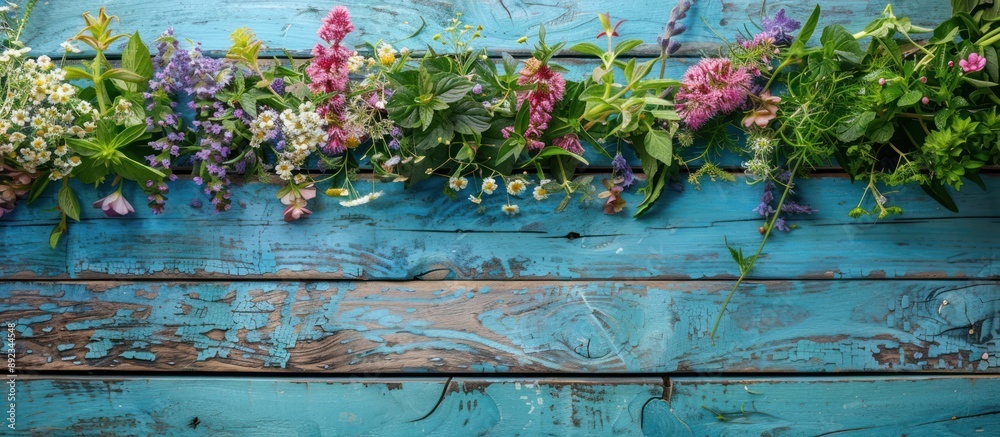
296, 210
763, 115
114, 205
973, 63
711, 87
296, 199
549, 89
569, 143
328, 73
605, 20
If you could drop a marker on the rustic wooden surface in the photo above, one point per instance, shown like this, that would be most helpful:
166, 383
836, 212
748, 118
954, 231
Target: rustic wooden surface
315, 407
293, 26
273, 328
419, 233
482, 326
853, 406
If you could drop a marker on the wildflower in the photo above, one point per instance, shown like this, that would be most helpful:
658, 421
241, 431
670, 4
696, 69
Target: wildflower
621, 169
510, 209
362, 200
474, 199
549, 89
926, 100
489, 185
971, 64
386, 55
605, 20
335, 192
668, 46
540, 193
458, 183
477, 89
329, 74
763, 115
711, 87
780, 27
569, 143
881, 81
615, 203
781, 225
296, 209
516, 187
69, 47
114, 205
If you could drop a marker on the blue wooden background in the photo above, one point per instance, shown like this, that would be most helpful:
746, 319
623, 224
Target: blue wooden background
416, 315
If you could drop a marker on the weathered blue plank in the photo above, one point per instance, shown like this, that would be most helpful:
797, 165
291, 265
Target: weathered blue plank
858, 406
345, 327
406, 234
314, 407
293, 26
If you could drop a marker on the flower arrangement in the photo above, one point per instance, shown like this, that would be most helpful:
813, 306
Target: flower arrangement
892, 104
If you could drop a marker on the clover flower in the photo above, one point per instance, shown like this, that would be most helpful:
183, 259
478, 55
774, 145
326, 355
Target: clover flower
711, 87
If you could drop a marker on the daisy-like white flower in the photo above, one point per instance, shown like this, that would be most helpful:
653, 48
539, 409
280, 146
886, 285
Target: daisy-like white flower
475, 199
510, 209
540, 194
458, 183
516, 187
489, 185
69, 47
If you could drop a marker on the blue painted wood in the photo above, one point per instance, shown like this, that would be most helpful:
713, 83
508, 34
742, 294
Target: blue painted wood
857, 406
292, 26
406, 234
315, 407
592, 327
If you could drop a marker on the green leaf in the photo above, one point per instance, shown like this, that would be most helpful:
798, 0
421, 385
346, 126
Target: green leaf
522, 118
135, 58
992, 62
38, 186
451, 88
77, 73
660, 145
836, 40
910, 98
550, 151
127, 136
133, 170
68, 203
84, 147
654, 188
883, 134
588, 49
625, 46
938, 192
124, 75
57, 232
855, 127
470, 118
799, 45
979, 83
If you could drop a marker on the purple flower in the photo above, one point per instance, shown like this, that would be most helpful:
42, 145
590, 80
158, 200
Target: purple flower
278, 86
477, 89
792, 207
114, 205
780, 27
623, 170
781, 225
674, 28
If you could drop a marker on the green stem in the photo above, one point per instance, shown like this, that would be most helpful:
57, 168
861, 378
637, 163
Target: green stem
760, 249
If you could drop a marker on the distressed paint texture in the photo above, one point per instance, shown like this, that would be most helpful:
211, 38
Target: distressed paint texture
595, 327
293, 26
407, 234
315, 407
857, 406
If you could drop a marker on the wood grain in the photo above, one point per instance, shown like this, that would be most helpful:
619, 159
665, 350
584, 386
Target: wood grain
314, 407
595, 327
293, 26
420, 233
857, 406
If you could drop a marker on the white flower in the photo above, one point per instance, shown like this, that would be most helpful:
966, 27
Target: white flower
540, 193
362, 200
516, 187
489, 185
458, 183
68, 47
511, 209
475, 199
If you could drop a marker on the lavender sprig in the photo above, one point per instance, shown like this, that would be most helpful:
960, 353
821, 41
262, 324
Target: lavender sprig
673, 28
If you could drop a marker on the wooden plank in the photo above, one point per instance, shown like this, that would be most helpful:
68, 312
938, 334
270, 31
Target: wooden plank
407, 234
596, 327
313, 407
857, 406
293, 26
